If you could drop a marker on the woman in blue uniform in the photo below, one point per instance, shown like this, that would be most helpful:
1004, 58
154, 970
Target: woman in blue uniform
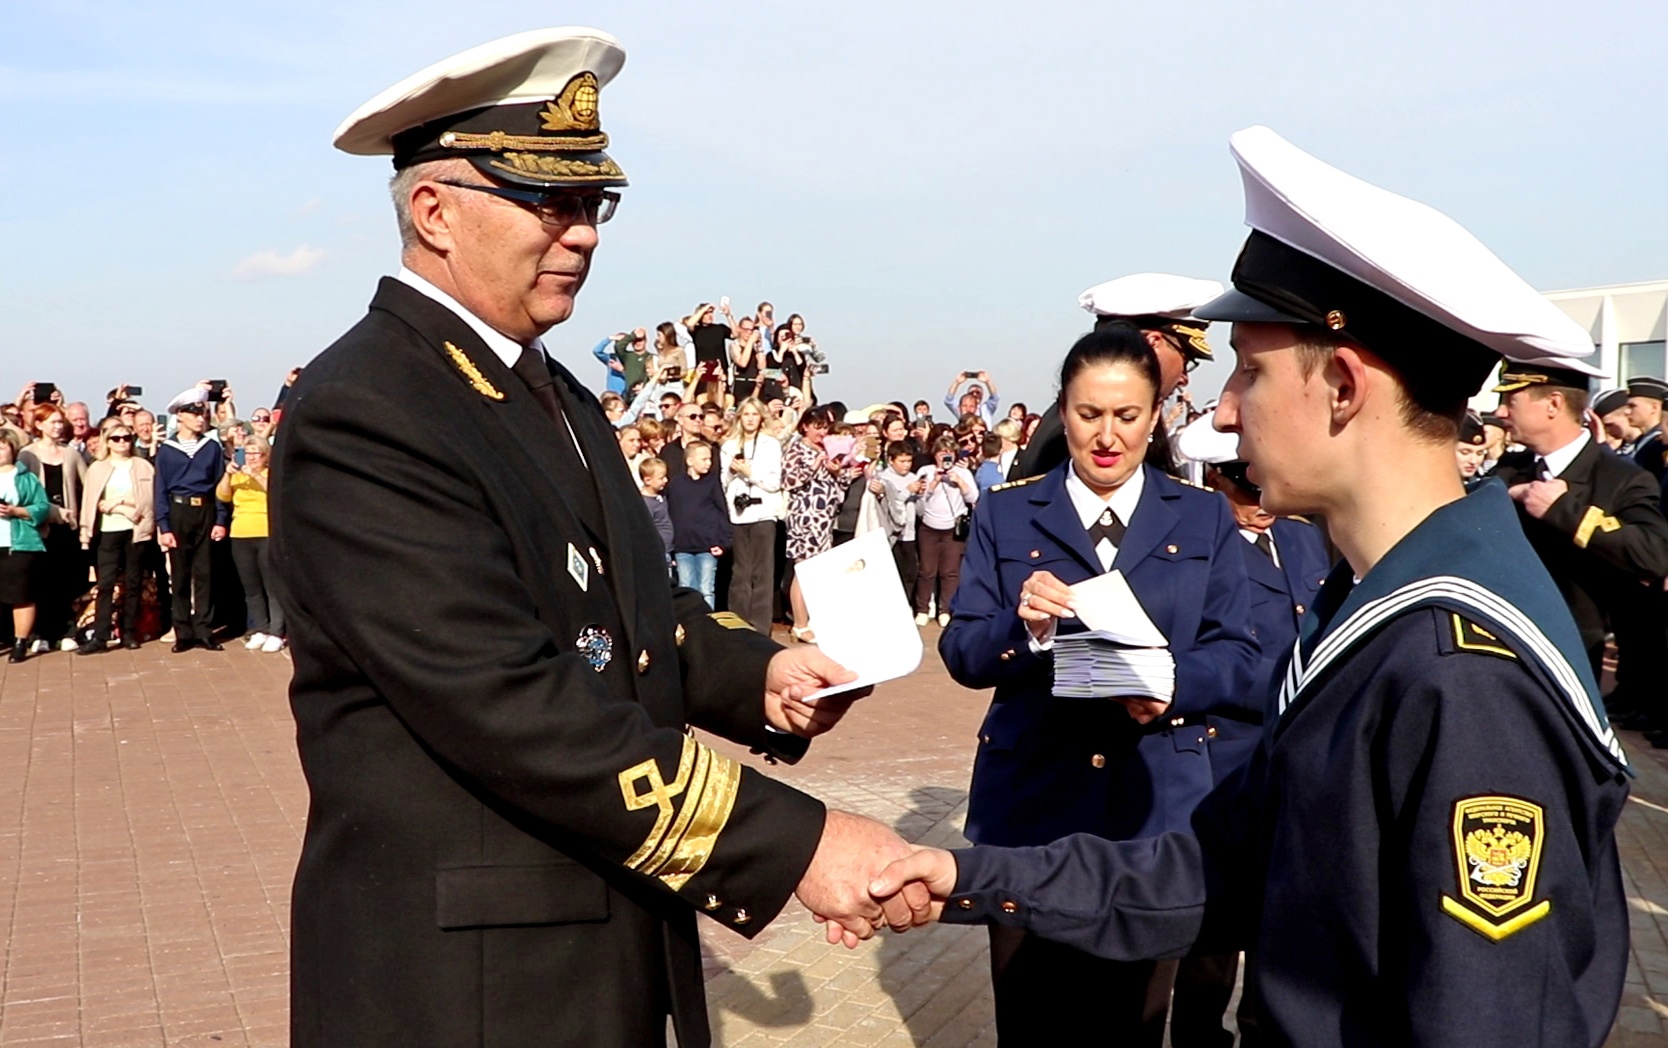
1119, 767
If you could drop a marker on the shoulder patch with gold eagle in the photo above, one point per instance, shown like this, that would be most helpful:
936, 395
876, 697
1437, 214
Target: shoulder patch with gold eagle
1497, 843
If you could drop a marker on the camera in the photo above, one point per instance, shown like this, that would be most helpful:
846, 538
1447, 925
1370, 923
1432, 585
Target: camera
44, 391
819, 369
217, 390
744, 500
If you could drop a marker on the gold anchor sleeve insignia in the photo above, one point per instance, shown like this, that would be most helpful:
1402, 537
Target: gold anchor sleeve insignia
682, 838
1497, 854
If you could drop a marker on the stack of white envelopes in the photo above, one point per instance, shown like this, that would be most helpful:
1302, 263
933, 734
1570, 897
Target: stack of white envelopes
1121, 653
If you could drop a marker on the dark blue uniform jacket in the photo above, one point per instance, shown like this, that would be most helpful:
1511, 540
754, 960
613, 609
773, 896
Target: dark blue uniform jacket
1048, 766
1280, 595
1422, 852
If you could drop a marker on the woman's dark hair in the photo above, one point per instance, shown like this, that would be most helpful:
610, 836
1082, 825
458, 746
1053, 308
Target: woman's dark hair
668, 334
1116, 343
817, 416
781, 330
902, 411
836, 408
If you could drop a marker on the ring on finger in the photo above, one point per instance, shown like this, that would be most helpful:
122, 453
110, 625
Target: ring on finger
1025, 600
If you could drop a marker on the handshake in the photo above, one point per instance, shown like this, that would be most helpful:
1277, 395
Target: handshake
864, 876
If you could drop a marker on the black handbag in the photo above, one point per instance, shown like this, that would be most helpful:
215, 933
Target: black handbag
963, 526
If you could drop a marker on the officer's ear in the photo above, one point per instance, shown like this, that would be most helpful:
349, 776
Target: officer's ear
433, 211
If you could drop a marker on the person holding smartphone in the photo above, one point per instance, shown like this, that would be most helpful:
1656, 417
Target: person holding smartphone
948, 493
752, 478
24, 509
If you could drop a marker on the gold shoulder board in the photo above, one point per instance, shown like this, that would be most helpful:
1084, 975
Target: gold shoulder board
1005, 485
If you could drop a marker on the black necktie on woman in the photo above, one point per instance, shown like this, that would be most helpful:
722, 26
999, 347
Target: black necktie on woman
1108, 527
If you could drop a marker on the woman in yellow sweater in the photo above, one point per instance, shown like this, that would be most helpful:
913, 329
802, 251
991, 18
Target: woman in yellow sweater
245, 488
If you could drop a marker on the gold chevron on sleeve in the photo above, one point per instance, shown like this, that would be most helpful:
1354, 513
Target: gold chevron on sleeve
1595, 519
1489, 930
682, 839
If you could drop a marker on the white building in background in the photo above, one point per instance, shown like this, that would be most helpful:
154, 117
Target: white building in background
1629, 325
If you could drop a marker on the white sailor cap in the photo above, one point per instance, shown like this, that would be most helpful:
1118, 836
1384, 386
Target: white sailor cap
522, 109
1201, 441
1394, 275
1155, 300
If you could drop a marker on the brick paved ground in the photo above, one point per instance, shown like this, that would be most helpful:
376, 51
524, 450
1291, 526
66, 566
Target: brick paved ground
151, 811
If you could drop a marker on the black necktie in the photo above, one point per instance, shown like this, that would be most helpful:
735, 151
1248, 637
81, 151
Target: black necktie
1264, 543
1542, 472
1108, 527
531, 369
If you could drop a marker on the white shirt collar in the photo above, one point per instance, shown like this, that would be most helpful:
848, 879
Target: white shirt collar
1090, 506
1252, 536
1558, 461
503, 347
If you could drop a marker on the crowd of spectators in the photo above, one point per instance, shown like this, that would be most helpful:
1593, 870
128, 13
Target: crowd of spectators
135, 527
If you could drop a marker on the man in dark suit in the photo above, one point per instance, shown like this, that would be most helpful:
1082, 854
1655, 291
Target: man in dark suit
512, 827
1644, 407
1596, 521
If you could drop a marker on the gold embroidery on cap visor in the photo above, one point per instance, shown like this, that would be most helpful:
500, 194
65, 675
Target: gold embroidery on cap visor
681, 841
558, 169
1511, 383
472, 373
499, 141
1497, 853
1193, 340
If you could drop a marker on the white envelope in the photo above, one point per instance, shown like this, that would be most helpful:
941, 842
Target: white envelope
1110, 609
858, 610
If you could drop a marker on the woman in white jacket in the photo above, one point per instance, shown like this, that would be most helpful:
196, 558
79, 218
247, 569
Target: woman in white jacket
751, 463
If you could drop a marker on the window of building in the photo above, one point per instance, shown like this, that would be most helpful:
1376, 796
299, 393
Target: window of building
1642, 358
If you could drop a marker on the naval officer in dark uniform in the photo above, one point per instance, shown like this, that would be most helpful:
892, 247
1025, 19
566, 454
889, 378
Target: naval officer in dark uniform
512, 828
1423, 850
1117, 766
1160, 305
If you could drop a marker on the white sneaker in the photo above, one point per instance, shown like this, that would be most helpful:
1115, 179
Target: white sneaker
944, 619
40, 647
255, 640
922, 619
273, 645
68, 644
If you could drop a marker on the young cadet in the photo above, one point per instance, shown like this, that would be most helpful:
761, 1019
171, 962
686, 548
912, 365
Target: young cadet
1422, 851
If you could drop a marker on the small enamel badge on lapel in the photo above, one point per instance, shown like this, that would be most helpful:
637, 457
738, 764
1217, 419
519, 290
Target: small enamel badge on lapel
580, 570
596, 558
597, 646
473, 373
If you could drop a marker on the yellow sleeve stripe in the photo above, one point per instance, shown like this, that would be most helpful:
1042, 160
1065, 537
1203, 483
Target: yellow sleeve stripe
1469, 636
681, 840
1595, 519
1494, 932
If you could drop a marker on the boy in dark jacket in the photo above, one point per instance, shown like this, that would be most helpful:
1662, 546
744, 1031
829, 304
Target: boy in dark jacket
700, 520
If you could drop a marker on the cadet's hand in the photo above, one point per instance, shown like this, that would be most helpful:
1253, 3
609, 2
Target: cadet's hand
217, 533
166, 540
931, 868
1042, 600
796, 672
835, 887
1538, 496
1143, 711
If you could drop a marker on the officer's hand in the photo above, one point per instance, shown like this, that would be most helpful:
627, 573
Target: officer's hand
1143, 711
852, 853
1540, 496
217, 533
1043, 599
794, 673
166, 540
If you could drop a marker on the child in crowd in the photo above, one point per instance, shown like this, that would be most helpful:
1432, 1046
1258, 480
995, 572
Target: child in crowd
700, 520
652, 472
900, 494
990, 470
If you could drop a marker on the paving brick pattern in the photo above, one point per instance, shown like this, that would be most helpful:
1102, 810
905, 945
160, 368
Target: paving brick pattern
151, 811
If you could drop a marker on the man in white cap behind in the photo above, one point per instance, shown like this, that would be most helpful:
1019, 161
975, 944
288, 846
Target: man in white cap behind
512, 827
1423, 850
1159, 304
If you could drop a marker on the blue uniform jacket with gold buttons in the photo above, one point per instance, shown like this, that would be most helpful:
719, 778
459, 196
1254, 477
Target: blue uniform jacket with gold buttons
1051, 766
1424, 853
1280, 594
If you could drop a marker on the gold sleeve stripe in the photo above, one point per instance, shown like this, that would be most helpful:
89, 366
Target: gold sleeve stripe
1469, 636
1595, 519
729, 620
715, 804
680, 842
1494, 932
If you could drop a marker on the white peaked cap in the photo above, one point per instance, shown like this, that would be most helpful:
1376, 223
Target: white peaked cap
530, 67
1405, 250
1201, 441
1149, 294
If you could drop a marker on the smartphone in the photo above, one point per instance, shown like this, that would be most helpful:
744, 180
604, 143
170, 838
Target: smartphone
217, 389
44, 391
724, 303
237, 456
135, 391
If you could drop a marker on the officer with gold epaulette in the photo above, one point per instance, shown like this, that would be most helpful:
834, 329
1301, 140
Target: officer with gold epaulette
512, 828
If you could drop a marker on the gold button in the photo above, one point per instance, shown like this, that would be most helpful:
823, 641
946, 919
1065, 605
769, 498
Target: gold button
741, 917
1006, 655
1098, 760
985, 739
966, 904
1210, 732
712, 903
1009, 906
1036, 553
679, 636
1299, 609
643, 661
1172, 548
1176, 722
1335, 320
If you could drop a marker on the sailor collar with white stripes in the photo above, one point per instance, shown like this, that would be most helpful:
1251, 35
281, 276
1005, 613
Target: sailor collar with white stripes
1467, 557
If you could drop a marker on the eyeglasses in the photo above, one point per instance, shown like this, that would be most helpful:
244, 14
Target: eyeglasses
120, 438
261, 418
553, 209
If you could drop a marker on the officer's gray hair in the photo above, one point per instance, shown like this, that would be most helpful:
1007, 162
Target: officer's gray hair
400, 186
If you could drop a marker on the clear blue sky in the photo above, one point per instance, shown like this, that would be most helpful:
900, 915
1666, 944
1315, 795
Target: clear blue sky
930, 184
